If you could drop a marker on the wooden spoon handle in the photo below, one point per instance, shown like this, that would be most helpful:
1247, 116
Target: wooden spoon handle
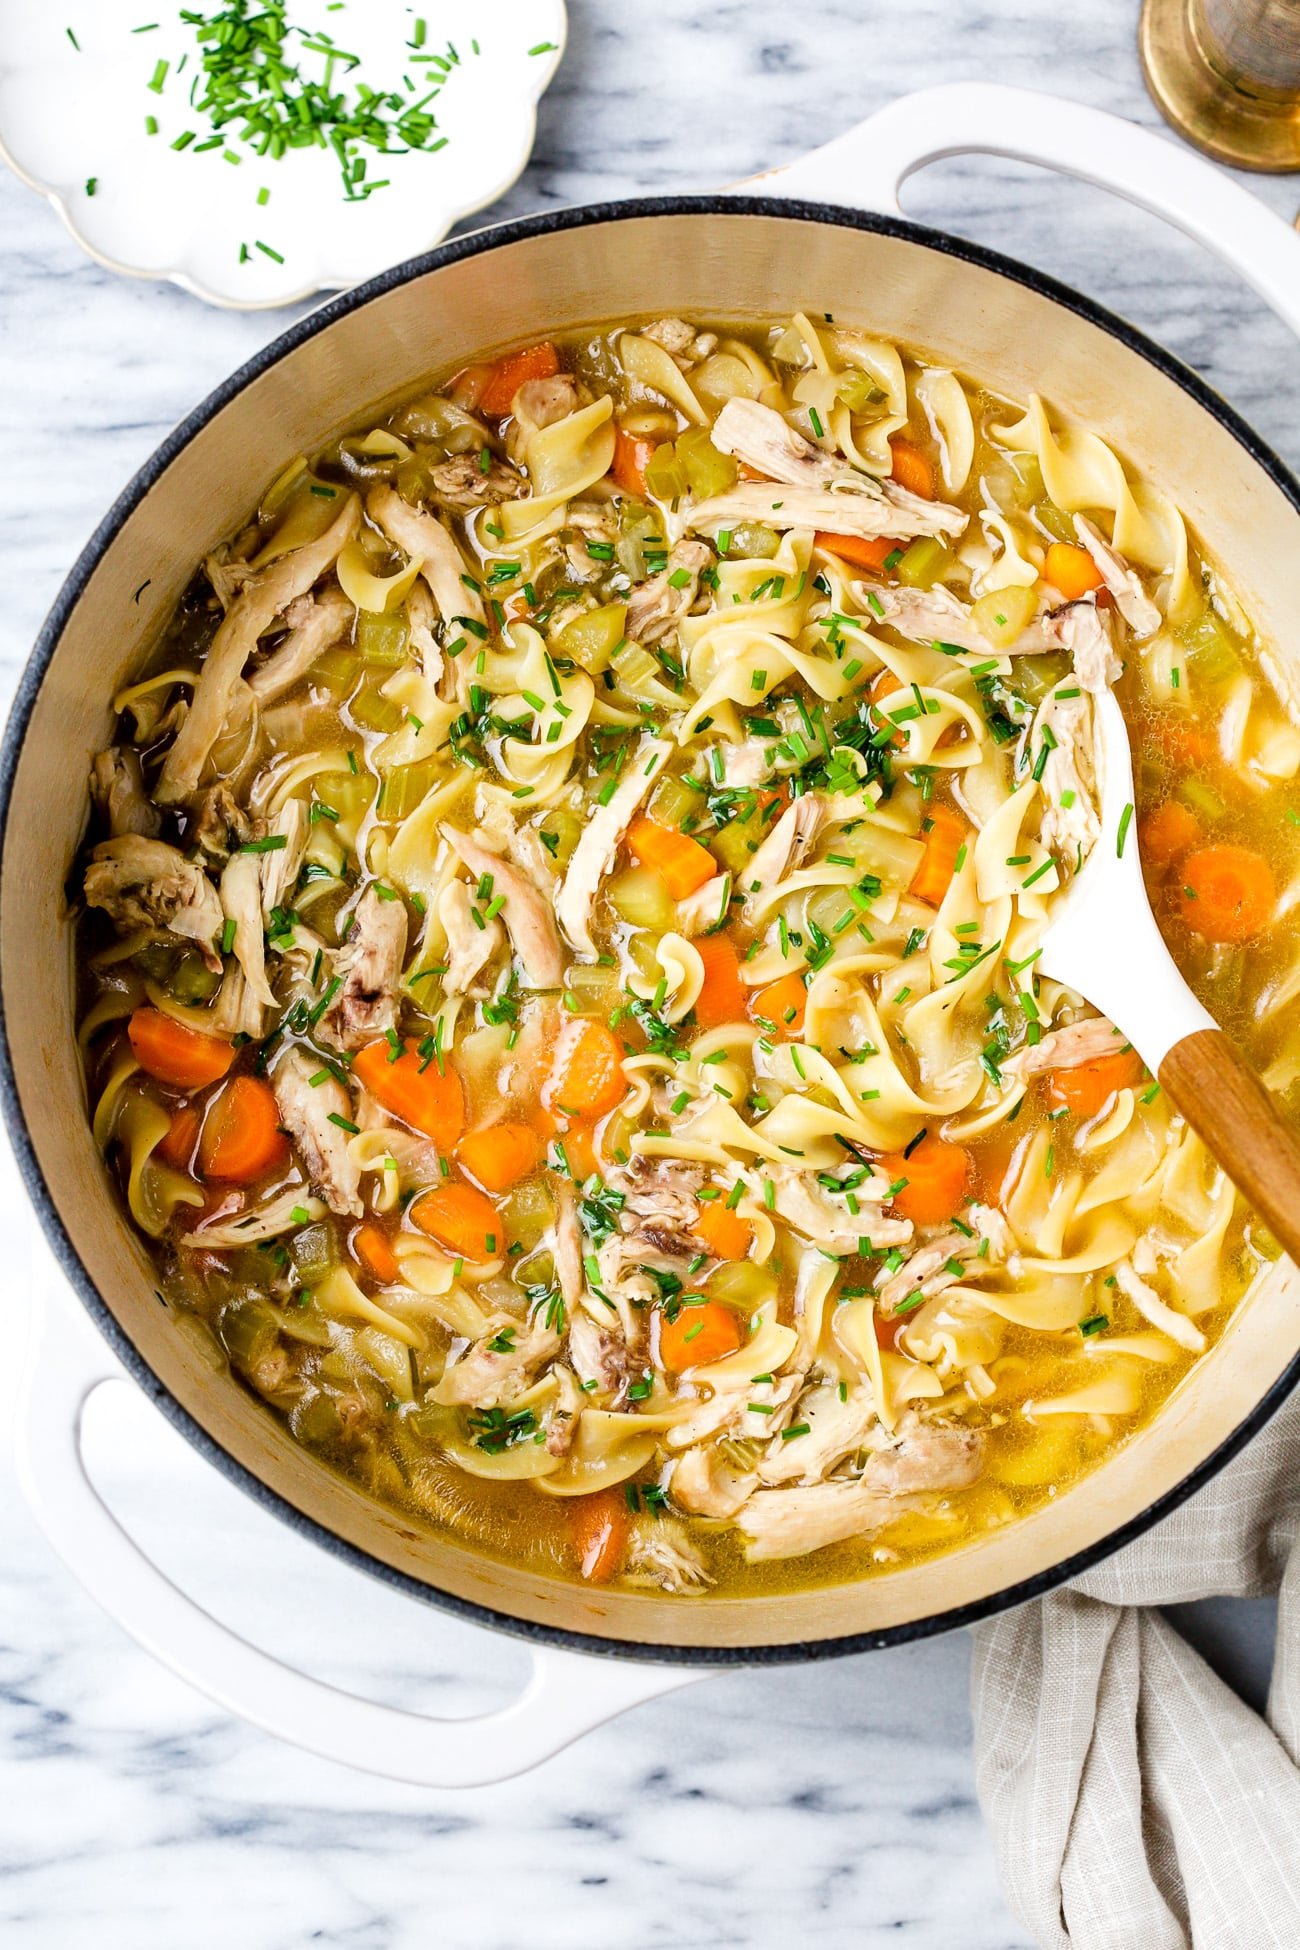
1231, 1111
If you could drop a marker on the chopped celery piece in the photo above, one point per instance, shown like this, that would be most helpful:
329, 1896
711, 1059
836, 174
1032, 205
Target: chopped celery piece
1036, 676
1201, 798
337, 670
1212, 647
1003, 615
191, 980
1028, 475
736, 843
754, 540
316, 1420
828, 908
382, 639
673, 803
592, 990
707, 471
924, 561
641, 898
405, 787
314, 1251
638, 527
372, 711
858, 390
561, 831
249, 1329
528, 1212
740, 1284
633, 665
590, 638
1056, 521
665, 477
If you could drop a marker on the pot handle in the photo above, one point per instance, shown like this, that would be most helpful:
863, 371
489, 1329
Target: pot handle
567, 1693
867, 166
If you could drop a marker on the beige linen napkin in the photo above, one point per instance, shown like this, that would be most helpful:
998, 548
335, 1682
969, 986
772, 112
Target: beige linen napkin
1136, 1803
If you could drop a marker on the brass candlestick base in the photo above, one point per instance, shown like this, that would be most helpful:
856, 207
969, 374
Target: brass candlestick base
1236, 118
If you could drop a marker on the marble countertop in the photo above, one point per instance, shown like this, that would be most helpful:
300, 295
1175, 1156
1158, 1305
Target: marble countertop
830, 1804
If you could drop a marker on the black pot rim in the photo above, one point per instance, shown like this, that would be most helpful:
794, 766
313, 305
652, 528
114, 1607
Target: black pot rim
319, 320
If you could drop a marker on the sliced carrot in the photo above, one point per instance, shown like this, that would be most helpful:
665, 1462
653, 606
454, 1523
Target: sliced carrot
579, 1143
861, 553
681, 862
370, 1244
782, 1003
722, 998
944, 835
412, 1087
242, 1139
911, 469
462, 1220
726, 1235
1183, 742
176, 1054
499, 1157
1089, 1087
1072, 570
935, 1175
1166, 833
630, 456
586, 1076
509, 374
880, 687
699, 1333
600, 1527
1228, 892
177, 1147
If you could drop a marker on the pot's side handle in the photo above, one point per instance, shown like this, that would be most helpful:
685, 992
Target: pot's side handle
567, 1694
866, 167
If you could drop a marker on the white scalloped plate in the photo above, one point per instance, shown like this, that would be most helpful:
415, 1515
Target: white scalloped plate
70, 114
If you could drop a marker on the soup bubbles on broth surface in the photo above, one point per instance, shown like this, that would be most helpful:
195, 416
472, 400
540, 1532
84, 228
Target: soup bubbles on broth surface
560, 955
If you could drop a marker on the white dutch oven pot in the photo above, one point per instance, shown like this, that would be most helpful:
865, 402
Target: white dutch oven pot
803, 242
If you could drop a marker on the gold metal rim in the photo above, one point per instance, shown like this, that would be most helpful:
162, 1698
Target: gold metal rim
1249, 132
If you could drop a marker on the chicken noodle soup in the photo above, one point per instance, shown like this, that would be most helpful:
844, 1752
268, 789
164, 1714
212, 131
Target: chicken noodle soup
561, 989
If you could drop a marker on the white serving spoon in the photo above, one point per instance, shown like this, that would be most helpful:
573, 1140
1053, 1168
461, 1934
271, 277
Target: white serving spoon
1103, 941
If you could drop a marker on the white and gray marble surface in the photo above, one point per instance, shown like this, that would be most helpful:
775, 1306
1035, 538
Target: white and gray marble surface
831, 1804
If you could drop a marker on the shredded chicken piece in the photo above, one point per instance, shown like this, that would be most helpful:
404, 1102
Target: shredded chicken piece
1084, 630
1124, 584
1068, 780
421, 617
764, 439
323, 1147
869, 516
461, 484
705, 908
1166, 1319
241, 901
600, 1357
661, 1555
566, 1247
825, 1219
540, 403
485, 1376
562, 1422
748, 1412
660, 1207
278, 866
785, 848
837, 1427
791, 1522
707, 1484
593, 856
263, 598
221, 825
370, 965
316, 624
528, 919
470, 948
656, 607
948, 1258
227, 573
144, 883
680, 340
746, 764
423, 539
1067, 1048
117, 787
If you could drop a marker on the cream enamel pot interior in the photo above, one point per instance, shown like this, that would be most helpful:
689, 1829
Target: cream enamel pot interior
754, 255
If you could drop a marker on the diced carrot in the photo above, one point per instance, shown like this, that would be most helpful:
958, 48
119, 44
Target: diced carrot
1167, 832
1228, 892
586, 1076
861, 553
412, 1087
500, 1156
462, 1220
782, 1003
911, 469
882, 684
935, 1175
177, 1147
509, 374
1089, 1087
1183, 742
681, 862
1072, 570
944, 835
699, 1333
630, 456
600, 1527
726, 1235
722, 998
370, 1244
242, 1139
176, 1054
579, 1143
